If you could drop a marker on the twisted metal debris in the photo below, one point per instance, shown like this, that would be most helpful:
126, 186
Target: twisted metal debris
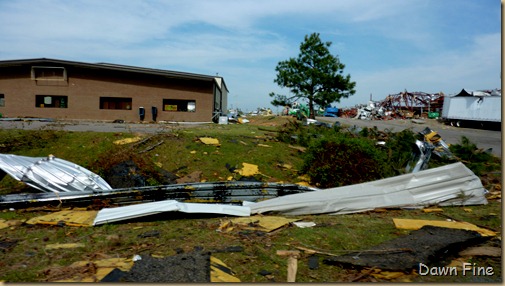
51, 174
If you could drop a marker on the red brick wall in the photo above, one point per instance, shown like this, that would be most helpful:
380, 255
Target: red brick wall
84, 87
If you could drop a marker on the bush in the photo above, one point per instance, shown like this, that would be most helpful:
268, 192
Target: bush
343, 160
477, 160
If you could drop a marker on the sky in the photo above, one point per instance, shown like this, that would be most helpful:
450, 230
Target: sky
387, 46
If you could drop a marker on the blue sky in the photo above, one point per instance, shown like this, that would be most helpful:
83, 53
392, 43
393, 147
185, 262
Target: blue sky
387, 45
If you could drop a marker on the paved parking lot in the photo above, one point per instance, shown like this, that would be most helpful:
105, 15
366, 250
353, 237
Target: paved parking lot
452, 135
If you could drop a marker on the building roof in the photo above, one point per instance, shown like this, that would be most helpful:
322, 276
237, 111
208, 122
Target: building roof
108, 66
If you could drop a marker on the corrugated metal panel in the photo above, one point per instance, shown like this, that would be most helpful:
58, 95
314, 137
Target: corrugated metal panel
448, 185
51, 174
140, 210
215, 192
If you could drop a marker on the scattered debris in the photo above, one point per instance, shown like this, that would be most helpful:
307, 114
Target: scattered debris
248, 170
285, 166
432, 143
89, 271
292, 256
414, 224
151, 147
261, 223
428, 245
193, 177
220, 272
9, 223
313, 262
298, 148
127, 140
441, 148
433, 210
66, 217
209, 141
304, 224
243, 120
63, 246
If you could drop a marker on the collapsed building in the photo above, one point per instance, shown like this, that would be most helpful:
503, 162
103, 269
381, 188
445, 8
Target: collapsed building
408, 105
402, 105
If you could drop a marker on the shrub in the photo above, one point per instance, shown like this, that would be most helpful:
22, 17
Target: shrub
343, 160
477, 160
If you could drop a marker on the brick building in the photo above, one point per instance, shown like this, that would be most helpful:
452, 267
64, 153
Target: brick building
49, 88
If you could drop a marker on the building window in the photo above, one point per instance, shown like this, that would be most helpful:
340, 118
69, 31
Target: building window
51, 101
124, 103
179, 105
2, 100
49, 73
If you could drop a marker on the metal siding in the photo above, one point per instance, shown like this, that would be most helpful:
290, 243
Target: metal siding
448, 185
479, 108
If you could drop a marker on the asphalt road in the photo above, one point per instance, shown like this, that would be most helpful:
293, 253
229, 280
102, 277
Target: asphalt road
452, 135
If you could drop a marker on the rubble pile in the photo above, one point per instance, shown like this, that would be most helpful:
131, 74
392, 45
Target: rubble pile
403, 105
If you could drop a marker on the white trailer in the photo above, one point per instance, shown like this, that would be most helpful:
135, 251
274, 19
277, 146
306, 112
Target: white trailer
473, 109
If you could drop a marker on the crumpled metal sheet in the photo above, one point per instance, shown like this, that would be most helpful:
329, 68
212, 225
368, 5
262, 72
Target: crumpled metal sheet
108, 215
449, 185
51, 174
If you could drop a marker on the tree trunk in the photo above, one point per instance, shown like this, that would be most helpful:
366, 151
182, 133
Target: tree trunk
312, 114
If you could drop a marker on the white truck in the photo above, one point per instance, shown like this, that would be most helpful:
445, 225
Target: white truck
480, 109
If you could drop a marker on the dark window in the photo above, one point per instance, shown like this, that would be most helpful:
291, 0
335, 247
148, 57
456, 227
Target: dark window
124, 103
51, 101
179, 105
2, 100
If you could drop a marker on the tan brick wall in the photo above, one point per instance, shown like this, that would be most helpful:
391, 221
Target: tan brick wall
85, 87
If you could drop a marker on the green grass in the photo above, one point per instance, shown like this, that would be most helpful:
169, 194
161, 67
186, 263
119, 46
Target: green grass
28, 261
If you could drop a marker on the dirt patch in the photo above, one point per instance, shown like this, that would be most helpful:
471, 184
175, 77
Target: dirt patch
269, 120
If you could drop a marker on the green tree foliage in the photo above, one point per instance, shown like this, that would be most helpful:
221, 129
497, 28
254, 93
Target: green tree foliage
345, 160
315, 75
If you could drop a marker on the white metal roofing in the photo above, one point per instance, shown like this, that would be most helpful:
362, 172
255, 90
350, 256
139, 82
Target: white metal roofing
108, 215
51, 174
448, 185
